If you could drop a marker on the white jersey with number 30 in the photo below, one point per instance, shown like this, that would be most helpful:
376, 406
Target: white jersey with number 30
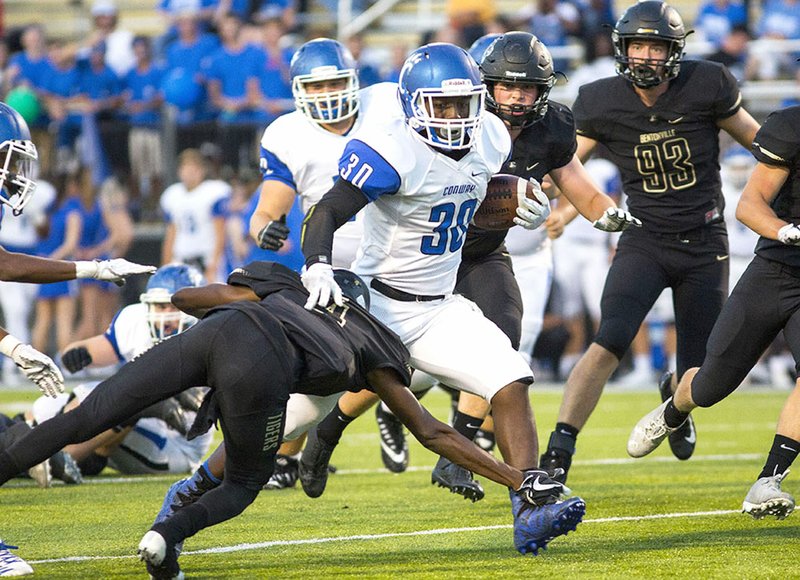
423, 201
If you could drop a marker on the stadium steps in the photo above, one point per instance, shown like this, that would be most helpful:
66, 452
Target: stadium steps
70, 20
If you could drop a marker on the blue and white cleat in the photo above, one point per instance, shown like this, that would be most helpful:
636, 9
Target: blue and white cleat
536, 526
170, 503
11, 564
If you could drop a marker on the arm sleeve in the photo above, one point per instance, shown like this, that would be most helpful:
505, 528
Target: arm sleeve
342, 202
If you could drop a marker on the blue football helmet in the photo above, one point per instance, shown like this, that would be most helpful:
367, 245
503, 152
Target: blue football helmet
442, 95
319, 60
19, 158
352, 287
163, 319
478, 48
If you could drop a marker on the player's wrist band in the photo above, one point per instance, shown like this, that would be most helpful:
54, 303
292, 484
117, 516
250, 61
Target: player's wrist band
311, 260
8, 344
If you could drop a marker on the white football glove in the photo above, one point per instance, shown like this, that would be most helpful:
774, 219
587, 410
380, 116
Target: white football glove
616, 219
115, 270
38, 367
318, 280
530, 214
789, 235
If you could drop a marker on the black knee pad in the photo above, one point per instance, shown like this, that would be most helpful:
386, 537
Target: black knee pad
616, 335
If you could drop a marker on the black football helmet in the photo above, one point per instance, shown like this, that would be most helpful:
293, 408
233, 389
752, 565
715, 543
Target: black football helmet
650, 20
352, 287
518, 58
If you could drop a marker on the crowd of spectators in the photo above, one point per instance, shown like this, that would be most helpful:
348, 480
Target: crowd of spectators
101, 107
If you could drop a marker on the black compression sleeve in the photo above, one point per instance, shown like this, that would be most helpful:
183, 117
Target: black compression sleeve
342, 202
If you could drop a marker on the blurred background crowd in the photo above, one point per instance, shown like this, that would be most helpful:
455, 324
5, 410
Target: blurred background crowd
126, 97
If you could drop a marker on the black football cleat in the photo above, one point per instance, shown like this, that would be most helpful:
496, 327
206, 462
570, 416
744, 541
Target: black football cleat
159, 557
682, 441
64, 467
285, 474
313, 469
457, 479
394, 447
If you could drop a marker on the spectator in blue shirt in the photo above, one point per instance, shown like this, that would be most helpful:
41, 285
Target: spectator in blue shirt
716, 19
186, 59
29, 67
143, 98
102, 90
65, 105
274, 79
233, 74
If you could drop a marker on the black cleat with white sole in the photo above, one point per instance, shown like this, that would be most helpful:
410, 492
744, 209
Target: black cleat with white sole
394, 447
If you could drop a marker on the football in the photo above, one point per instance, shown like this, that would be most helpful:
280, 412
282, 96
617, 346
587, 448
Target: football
499, 207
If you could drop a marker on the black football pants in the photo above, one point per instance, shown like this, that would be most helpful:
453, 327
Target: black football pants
694, 264
765, 301
225, 351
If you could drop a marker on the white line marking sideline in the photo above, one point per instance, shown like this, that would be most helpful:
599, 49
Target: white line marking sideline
368, 537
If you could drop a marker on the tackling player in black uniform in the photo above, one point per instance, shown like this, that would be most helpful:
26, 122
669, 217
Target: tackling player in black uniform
262, 330
765, 301
660, 119
518, 71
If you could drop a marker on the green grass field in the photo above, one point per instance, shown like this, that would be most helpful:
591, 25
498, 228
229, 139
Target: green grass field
651, 518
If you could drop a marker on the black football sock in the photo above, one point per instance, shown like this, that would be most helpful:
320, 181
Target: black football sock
333, 425
674, 417
783, 453
466, 424
566, 430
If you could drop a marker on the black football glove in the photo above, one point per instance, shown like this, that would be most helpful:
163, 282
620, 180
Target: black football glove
76, 359
272, 235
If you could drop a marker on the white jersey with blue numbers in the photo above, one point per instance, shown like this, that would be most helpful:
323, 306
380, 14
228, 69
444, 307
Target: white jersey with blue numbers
193, 214
305, 156
422, 201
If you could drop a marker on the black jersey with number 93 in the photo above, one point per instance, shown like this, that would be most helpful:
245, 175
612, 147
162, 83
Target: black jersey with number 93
668, 154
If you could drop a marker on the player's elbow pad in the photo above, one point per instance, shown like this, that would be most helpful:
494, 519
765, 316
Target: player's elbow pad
76, 359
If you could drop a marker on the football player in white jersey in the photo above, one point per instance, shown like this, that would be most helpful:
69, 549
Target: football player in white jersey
154, 442
299, 157
18, 159
195, 209
421, 174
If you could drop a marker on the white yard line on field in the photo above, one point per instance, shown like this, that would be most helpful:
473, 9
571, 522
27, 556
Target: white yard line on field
370, 537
